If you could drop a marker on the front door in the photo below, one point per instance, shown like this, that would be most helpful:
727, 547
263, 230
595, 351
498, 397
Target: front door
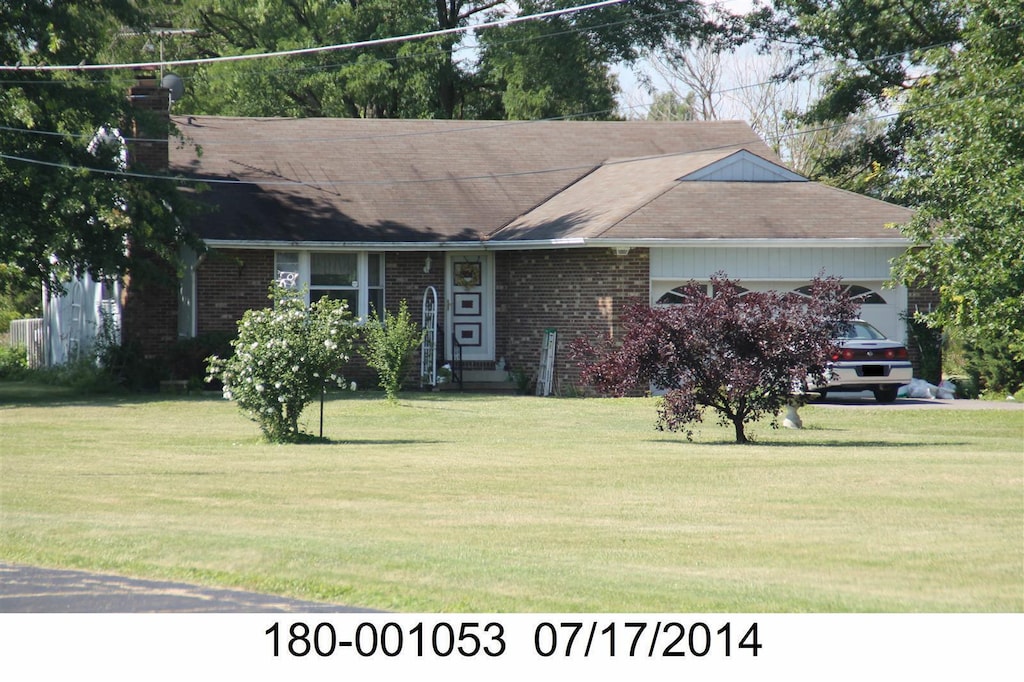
470, 299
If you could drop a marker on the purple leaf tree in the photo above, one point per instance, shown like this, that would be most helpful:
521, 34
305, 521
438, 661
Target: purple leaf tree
741, 353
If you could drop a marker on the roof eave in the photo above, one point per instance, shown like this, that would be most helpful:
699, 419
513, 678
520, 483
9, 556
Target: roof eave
575, 242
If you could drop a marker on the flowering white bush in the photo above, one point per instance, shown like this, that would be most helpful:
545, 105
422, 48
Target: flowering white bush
284, 358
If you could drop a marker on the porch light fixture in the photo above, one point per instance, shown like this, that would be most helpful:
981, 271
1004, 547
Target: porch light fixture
621, 250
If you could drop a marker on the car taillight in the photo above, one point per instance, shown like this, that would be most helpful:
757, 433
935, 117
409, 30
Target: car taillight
896, 354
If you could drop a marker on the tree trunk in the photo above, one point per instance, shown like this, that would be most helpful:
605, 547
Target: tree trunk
741, 437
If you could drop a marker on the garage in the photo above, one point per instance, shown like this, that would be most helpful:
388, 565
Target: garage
864, 270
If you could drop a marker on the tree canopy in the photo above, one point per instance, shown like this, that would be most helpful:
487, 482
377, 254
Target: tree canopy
66, 207
874, 51
934, 89
553, 67
963, 168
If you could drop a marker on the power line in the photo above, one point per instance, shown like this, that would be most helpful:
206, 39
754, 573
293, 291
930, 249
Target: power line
488, 176
391, 60
316, 50
586, 114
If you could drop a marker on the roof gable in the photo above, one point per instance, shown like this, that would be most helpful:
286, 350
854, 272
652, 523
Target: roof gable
743, 166
717, 194
600, 199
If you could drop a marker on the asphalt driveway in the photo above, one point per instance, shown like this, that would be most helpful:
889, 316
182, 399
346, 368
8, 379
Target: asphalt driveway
26, 589
867, 399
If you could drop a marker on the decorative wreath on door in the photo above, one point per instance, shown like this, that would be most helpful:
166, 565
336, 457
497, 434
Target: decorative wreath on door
467, 275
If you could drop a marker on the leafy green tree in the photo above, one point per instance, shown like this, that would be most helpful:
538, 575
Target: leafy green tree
390, 342
284, 357
873, 50
945, 75
668, 107
65, 205
554, 67
544, 70
963, 168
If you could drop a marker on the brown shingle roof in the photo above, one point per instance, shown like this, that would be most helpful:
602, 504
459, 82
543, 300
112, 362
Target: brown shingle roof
400, 180
388, 181
761, 210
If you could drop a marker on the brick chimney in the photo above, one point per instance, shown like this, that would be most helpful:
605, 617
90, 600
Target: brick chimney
148, 151
149, 298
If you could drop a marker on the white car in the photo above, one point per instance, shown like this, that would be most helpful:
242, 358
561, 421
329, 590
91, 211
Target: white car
865, 360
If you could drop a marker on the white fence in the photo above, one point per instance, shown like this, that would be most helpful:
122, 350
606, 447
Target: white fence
29, 334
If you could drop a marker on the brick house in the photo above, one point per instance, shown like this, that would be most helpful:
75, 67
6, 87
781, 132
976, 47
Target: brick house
517, 226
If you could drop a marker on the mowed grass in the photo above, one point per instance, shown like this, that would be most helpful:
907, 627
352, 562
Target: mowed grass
476, 503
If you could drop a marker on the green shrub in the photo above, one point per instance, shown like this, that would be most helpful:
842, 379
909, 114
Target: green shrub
389, 346
928, 343
82, 376
126, 365
13, 362
187, 358
993, 366
284, 357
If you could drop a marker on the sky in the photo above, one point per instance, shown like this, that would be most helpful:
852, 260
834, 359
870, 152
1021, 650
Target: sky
635, 96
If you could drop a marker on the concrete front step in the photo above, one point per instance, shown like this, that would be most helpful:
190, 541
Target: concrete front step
480, 386
484, 381
486, 376
483, 386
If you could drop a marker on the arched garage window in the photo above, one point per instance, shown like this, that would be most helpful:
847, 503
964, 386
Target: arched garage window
676, 296
860, 294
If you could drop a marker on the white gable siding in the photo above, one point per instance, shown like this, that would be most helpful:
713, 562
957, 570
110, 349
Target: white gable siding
743, 167
772, 263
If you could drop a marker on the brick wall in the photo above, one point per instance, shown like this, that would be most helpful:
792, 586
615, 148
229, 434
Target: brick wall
148, 150
575, 291
149, 305
924, 300
229, 282
406, 280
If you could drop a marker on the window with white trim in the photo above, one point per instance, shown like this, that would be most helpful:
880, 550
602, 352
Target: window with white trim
356, 277
859, 294
286, 268
677, 296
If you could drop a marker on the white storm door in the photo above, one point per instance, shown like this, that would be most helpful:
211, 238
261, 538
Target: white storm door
470, 299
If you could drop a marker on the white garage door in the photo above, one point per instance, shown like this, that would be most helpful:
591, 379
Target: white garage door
881, 307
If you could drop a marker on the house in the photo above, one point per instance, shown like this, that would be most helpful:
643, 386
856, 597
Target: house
518, 226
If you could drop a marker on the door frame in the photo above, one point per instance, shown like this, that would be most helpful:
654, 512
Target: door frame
460, 296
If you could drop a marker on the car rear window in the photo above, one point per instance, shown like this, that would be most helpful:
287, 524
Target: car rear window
861, 330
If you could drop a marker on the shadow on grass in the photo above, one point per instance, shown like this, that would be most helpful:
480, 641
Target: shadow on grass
368, 441
26, 394
879, 444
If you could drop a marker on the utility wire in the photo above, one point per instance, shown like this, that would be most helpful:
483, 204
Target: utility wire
489, 124
488, 176
316, 50
396, 59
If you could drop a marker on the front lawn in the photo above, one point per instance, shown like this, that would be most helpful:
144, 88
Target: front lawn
448, 502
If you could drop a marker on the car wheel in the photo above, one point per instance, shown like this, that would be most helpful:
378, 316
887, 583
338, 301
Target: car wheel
886, 394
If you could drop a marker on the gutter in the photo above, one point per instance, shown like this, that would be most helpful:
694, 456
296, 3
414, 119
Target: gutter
576, 242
